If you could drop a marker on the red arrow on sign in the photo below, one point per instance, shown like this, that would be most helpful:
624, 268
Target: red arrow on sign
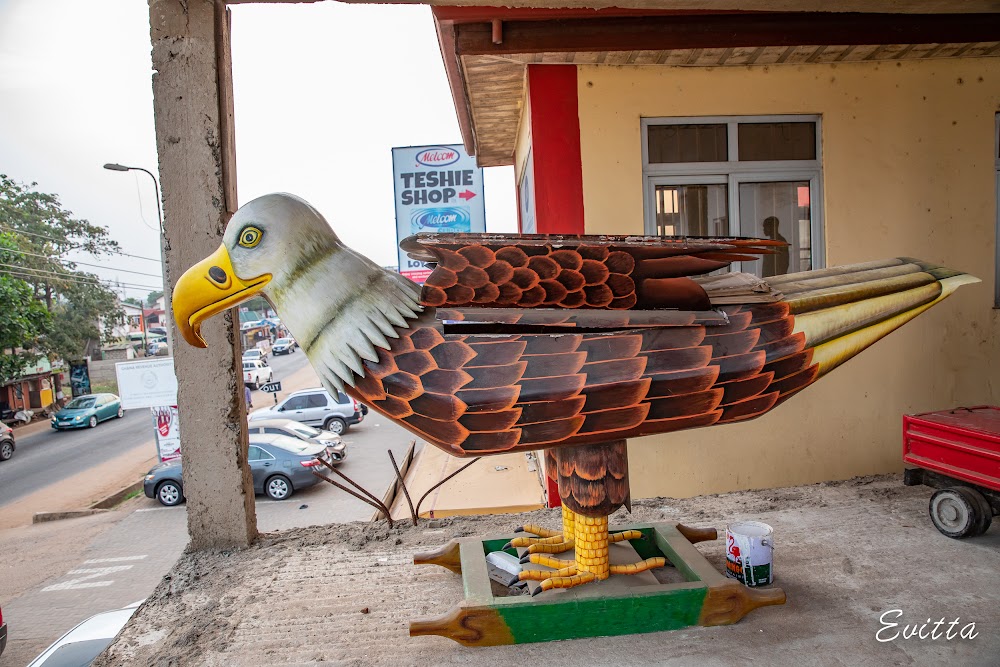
468, 194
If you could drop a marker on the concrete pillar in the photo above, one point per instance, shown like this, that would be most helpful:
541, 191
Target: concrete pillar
185, 35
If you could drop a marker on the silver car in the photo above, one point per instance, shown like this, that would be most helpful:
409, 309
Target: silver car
336, 450
315, 407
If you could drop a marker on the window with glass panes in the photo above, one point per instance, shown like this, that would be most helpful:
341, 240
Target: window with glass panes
737, 176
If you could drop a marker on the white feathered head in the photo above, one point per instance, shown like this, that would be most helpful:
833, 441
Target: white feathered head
339, 305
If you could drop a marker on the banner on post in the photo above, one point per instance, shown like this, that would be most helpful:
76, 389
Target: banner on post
438, 189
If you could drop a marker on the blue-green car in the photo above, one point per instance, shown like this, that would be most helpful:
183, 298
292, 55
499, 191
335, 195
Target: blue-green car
88, 411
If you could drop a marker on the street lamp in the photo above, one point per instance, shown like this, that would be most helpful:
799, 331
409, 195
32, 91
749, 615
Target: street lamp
113, 166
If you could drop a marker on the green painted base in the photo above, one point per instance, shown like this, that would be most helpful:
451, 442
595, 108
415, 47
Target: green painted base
705, 597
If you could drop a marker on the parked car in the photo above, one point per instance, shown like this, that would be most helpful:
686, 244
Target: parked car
159, 331
280, 465
255, 354
6, 442
315, 407
335, 446
81, 645
284, 346
256, 373
158, 349
87, 411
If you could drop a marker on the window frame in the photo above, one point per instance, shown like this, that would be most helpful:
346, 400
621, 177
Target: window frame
285, 406
735, 172
269, 457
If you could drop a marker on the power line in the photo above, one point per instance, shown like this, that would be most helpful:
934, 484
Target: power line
69, 277
112, 286
74, 247
98, 266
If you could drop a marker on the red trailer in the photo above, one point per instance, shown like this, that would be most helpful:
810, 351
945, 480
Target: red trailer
957, 452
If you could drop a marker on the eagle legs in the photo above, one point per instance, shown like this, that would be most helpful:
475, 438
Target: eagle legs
593, 483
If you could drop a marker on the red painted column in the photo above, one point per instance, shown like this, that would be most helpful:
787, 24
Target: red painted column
555, 149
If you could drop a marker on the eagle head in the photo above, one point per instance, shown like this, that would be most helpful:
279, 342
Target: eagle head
338, 304
256, 248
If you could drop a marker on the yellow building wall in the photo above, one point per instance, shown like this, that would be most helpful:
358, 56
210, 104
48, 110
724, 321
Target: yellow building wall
908, 170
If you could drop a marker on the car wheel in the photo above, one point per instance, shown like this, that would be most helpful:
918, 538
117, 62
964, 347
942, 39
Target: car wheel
278, 487
93, 421
335, 425
6, 450
956, 512
121, 413
169, 493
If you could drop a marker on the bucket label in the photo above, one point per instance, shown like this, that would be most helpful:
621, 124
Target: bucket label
749, 553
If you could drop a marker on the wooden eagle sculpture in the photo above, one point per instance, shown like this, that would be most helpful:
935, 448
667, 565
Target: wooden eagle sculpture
570, 344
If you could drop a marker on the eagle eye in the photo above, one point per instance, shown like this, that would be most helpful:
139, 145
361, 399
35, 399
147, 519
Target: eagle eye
250, 236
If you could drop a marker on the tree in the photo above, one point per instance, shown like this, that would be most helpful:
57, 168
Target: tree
132, 301
152, 297
43, 232
24, 320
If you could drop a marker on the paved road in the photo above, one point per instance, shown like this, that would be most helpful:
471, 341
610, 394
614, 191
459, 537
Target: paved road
49, 457
93, 564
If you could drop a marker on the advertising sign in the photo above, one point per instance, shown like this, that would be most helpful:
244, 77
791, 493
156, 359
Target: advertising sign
147, 383
438, 189
79, 378
168, 433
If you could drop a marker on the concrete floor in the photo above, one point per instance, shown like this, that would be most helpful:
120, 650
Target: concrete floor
846, 553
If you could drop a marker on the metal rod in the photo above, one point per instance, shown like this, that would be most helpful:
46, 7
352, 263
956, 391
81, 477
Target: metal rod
413, 514
380, 507
445, 480
356, 486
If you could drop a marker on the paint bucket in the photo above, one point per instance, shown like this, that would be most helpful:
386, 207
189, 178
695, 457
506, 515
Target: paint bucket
749, 546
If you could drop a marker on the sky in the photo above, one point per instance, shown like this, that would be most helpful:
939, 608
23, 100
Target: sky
323, 92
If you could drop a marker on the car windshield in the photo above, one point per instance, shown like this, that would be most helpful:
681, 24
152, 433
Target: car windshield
77, 653
81, 403
295, 446
305, 431
282, 341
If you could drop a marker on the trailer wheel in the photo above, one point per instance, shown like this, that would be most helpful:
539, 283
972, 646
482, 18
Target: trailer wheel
985, 511
957, 512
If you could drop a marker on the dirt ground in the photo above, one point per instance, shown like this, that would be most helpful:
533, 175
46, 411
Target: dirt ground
846, 553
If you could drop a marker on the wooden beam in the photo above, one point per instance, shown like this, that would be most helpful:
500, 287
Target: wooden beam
703, 31
456, 81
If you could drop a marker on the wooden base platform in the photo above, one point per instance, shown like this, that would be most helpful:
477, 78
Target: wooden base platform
705, 597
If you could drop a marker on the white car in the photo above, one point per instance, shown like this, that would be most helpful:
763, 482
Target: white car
256, 373
82, 644
255, 354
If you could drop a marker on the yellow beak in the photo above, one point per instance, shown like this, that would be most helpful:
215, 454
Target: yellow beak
208, 288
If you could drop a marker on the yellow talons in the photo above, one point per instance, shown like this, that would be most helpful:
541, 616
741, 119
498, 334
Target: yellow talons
549, 561
565, 582
550, 548
625, 535
519, 542
542, 575
538, 530
641, 566
590, 539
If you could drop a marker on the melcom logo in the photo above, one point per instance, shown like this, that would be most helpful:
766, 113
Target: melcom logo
437, 157
440, 219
